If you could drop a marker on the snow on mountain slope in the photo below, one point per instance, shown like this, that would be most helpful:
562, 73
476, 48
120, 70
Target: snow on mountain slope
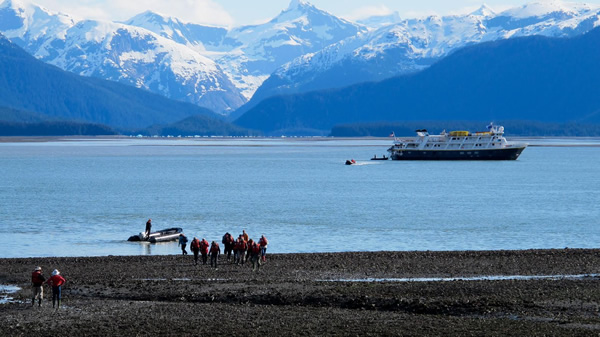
249, 54
196, 36
254, 52
30, 26
120, 52
413, 44
303, 48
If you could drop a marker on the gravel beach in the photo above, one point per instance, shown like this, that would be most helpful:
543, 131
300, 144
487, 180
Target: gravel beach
346, 294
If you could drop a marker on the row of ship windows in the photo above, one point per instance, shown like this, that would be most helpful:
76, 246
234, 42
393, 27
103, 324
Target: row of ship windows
467, 138
439, 145
462, 153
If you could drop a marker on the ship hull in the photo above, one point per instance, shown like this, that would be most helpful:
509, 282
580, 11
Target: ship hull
511, 153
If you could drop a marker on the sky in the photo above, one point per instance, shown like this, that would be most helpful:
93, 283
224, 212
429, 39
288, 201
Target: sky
232, 13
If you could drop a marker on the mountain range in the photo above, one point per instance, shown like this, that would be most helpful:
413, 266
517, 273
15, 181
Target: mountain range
533, 78
409, 45
33, 91
302, 49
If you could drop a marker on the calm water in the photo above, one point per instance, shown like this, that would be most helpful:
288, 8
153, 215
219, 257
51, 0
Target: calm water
86, 197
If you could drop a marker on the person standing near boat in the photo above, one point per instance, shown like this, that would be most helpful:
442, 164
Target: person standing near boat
148, 228
195, 247
215, 250
183, 242
37, 286
56, 281
204, 250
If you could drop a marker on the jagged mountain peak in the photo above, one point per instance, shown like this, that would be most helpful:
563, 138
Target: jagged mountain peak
15, 4
301, 9
150, 16
294, 4
484, 11
26, 8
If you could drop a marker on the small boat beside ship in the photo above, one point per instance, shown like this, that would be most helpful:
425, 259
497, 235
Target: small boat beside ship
169, 234
457, 145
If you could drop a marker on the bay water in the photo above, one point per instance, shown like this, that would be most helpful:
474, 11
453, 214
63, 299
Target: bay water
85, 197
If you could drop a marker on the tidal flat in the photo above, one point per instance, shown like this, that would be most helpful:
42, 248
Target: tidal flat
416, 293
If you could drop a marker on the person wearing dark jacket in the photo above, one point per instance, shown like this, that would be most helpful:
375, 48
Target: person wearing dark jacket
37, 286
56, 281
148, 228
183, 242
228, 244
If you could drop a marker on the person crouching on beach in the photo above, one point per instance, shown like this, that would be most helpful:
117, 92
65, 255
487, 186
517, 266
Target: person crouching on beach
183, 242
215, 250
56, 281
195, 247
37, 286
204, 250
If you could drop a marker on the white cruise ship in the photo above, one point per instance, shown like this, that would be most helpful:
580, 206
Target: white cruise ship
457, 145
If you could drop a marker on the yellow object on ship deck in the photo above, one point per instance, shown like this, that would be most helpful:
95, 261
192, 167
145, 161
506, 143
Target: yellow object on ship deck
459, 133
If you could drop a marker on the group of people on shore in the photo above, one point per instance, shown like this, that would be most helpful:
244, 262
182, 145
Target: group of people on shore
243, 249
56, 281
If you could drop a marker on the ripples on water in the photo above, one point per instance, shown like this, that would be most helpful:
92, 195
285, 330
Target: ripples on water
86, 197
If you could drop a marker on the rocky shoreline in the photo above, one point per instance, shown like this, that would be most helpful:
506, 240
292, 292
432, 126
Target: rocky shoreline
352, 293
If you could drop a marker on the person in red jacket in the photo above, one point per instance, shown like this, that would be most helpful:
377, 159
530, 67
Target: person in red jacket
195, 247
56, 281
204, 250
263, 242
37, 286
240, 250
255, 256
215, 250
249, 249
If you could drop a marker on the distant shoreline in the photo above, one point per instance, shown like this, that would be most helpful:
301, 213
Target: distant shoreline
43, 139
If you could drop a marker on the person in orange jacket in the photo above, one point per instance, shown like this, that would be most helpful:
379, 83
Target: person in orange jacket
263, 242
240, 251
56, 281
204, 250
215, 250
249, 249
255, 256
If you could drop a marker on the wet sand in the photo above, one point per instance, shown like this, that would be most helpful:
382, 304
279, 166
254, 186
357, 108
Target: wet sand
301, 294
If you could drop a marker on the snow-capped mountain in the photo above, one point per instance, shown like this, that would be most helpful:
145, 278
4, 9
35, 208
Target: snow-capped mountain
249, 54
301, 49
197, 36
120, 52
414, 44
